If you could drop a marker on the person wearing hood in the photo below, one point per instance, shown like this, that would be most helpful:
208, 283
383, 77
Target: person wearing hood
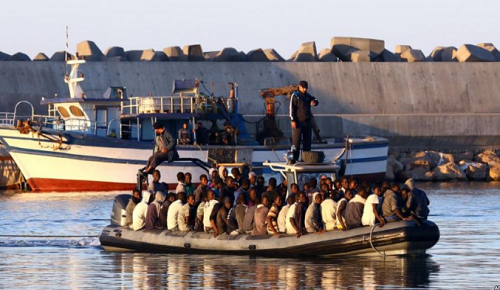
134, 200
140, 212
223, 173
153, 215
417, 201
164, 209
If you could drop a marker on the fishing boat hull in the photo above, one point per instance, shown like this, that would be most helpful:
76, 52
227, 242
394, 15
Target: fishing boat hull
68, 161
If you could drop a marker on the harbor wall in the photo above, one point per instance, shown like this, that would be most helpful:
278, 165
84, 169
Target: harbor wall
414, 105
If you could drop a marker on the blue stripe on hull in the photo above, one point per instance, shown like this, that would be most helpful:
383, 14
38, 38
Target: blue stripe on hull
98, 141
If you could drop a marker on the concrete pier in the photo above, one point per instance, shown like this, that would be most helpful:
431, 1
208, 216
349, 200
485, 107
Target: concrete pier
417, 105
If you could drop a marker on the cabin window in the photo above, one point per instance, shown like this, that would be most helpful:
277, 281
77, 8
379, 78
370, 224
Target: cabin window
64, 113
77, 112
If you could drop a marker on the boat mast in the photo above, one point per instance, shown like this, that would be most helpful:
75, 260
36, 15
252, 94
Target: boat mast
74, 77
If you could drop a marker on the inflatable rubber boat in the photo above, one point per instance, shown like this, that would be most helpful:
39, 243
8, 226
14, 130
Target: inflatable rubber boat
395, 238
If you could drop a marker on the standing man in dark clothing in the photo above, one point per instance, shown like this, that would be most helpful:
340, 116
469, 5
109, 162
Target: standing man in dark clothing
164, 149
301, 118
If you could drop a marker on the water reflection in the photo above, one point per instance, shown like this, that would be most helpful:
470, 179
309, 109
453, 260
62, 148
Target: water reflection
148, 271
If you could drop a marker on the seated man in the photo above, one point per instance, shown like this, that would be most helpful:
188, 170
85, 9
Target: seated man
354, 208
341, 206
272, 216
133, 201
227, 190
391, 206
221, 219
188, 184
290, 216
185, 218
240, 211
260, 217
283, 213
248, 221
298, 221
370, 211
313, 220
201, 134
242, 190
198, 222
181, 186
237, 176
252, 197
164, 210
271, 189
201, 190
173, 212
140, 212
153, 215
164, 149
185, 136
156, 185
212, 207
329, 212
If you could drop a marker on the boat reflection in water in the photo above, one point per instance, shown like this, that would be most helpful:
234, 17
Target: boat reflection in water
209, 271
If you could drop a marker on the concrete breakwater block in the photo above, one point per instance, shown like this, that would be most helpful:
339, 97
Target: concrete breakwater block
4, 56
257, 55
360, 56
444, 53
19, 57
89, 50
413, 55
326, 55
209, 55
491, 48
273, 55
342, 47
472, 53
41, 57
293, 56
59, 56
229, 54
134, 55
115, 51
388, 56
174, 53
193, 53
160, 56
307, 52
400, 48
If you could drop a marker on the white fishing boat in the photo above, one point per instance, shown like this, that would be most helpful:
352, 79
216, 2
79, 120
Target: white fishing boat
88, 143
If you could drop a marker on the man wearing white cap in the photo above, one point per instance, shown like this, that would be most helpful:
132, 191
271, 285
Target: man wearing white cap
253, 178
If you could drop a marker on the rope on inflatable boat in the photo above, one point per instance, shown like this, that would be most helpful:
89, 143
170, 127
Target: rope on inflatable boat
371, 243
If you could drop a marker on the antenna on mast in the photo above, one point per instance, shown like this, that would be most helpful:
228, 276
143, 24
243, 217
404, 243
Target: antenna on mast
66, 51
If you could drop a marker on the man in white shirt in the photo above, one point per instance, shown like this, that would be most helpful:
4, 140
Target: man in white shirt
181, 187
283, 212
140, 212
173, 212
370, 212
329, 213
290, 215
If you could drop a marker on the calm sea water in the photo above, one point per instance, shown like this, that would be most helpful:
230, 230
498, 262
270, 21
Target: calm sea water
50, 241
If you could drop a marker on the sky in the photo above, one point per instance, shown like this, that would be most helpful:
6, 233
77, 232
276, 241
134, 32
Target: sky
39, 25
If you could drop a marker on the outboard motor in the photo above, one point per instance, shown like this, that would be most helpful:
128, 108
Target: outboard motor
119, 214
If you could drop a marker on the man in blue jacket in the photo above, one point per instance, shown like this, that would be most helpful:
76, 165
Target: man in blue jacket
301, 118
